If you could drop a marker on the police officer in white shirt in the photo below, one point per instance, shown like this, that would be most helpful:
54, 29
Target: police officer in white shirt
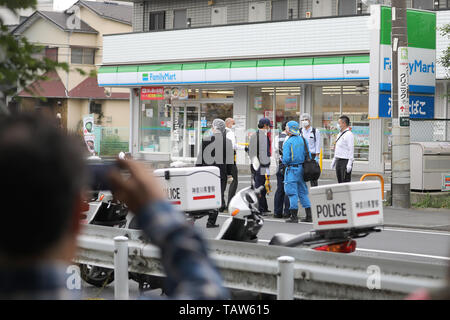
312, 135
343, 152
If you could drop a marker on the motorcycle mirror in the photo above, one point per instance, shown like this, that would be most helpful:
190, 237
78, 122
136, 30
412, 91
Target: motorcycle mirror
249, 198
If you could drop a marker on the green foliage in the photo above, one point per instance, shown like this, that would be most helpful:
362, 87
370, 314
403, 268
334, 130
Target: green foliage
433, 202
112, 145
19, 65
445, 59
18, 4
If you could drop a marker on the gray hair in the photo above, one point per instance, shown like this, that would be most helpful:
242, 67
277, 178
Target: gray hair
305, 116
219, 124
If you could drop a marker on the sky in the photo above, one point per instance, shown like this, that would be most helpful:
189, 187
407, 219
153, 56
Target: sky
62, 4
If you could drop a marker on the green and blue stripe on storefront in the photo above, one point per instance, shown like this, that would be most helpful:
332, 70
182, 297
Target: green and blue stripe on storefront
240, 71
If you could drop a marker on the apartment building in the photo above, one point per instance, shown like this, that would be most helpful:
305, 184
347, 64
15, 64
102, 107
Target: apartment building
75, 36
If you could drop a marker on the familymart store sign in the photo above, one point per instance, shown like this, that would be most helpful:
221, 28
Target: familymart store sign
243, 71
420, 66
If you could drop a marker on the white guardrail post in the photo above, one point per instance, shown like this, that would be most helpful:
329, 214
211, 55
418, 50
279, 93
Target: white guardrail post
285, 281
121, 291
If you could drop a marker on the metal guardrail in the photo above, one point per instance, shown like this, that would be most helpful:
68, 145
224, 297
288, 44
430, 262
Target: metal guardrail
254, 267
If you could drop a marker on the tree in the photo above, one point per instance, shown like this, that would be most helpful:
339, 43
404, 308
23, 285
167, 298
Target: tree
18, 63
444, 60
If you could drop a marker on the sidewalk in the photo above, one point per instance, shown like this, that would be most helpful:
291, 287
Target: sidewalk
431, 219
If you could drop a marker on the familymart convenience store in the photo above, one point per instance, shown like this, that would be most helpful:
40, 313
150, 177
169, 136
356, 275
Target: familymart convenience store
174, 104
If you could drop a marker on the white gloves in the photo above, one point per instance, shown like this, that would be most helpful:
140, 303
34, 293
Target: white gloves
349, 166
333, 163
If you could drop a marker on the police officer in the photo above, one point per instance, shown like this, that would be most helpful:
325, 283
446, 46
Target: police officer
281, 200
312, 135
344, 151
259, 152
294, 185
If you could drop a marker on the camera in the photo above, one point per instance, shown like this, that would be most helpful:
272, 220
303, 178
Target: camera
98, 174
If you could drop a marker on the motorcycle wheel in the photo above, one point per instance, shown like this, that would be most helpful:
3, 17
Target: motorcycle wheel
96, 276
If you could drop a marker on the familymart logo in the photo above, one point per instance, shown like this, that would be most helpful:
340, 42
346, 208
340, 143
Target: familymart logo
159, 76
416, 66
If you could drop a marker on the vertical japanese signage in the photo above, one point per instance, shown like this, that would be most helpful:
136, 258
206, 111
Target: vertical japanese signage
403, 100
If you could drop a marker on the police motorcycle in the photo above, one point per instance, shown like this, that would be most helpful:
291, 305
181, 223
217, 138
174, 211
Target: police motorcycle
340, 213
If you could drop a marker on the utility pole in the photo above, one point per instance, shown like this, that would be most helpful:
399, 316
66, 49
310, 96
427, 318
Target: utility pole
400, 107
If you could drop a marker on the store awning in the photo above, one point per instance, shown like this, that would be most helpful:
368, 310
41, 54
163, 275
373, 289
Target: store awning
242, 71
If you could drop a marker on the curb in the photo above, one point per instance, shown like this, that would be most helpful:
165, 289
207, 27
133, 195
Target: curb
442, 229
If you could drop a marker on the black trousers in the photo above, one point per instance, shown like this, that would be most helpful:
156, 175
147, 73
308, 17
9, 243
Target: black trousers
233, 171
223, 186
281, 200
341, 171
314, 183
260, 180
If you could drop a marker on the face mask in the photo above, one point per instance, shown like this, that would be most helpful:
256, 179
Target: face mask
233, 127
305, 123
338, 126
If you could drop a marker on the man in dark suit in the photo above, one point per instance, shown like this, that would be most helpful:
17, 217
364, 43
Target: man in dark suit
259, 151
217, 151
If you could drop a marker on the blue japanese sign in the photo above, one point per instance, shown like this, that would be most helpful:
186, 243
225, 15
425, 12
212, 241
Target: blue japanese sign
419, 106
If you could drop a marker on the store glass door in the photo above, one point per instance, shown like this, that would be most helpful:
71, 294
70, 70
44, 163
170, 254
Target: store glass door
185, 131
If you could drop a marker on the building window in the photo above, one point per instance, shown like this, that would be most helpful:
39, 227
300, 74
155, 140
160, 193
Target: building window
180, 19
95, 108
279, 10
83, 55
157, 21
423, 4
52, 54
329, 103
347, 7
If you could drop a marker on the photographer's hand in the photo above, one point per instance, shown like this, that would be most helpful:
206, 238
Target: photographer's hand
138, 190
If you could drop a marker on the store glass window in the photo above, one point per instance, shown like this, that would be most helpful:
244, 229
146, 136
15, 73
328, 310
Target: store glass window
355, 105
155, 126
260, 106
211, 111
217, 94
329, 103
287, 105
326, 112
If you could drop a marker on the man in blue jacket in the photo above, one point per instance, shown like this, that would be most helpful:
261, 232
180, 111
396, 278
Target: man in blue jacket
294, 186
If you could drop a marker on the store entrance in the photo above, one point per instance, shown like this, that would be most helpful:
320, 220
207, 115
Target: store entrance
185, 130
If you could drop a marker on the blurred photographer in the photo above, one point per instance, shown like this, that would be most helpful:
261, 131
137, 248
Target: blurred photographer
44, 176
